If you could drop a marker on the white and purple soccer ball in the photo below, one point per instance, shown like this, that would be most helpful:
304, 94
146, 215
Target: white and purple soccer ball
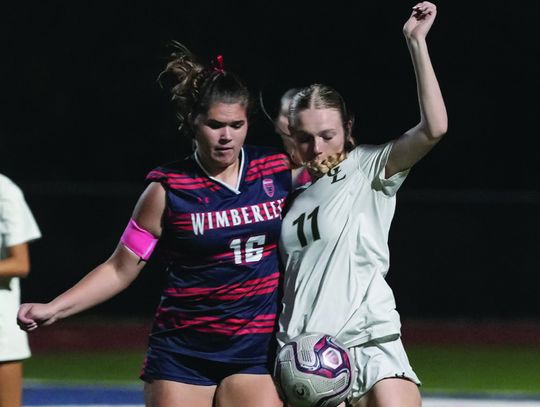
313, 370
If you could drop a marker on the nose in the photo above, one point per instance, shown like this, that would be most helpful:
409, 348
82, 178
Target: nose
317, 146
226, 135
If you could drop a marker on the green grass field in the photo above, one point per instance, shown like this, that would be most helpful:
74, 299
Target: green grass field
476, 369
447, 369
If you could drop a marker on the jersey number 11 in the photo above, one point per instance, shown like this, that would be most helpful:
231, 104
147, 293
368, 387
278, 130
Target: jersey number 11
314, 227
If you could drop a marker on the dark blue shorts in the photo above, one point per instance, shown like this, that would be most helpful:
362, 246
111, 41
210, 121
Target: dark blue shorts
164, 365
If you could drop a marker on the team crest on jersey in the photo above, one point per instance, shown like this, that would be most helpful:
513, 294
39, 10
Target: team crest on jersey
268, 186
334, 174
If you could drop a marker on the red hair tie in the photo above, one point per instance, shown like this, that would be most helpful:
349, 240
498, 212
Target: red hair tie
218, 67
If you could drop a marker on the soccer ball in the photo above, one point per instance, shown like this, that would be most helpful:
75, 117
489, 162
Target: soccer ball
313, 370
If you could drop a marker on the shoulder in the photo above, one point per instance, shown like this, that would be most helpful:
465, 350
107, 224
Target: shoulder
267, 162
16, 219
261, 151
6, 182
9, 190
371, 149
167, 173
4, 179
371, 157
266, 158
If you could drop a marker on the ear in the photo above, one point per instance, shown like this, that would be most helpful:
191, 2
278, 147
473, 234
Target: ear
290, 129
350, 142
348, 127
190, 120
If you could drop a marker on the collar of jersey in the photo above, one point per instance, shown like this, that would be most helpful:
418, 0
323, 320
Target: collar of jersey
240, 172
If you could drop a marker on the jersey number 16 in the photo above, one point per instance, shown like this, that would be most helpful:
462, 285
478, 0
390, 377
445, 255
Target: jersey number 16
252, 250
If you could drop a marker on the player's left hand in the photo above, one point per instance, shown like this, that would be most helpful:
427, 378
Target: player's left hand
420, 21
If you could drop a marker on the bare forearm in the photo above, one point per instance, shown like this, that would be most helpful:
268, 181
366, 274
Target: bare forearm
14, 267
102, 283
433, 116
416, 142
17, 262
107, 279
96, 287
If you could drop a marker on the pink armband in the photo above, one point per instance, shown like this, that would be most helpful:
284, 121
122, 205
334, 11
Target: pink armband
138, 240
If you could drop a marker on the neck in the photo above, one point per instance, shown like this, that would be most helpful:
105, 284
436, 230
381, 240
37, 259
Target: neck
228, 175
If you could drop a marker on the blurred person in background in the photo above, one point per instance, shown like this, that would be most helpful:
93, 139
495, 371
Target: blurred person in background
280, 121
17, 228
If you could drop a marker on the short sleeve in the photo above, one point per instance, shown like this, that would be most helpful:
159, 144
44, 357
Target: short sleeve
17, 223
372, 161
157, 175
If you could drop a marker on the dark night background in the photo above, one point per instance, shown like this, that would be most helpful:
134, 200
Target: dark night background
82, 121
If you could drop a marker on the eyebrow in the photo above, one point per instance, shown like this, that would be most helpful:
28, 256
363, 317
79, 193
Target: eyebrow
220, 123
329, 132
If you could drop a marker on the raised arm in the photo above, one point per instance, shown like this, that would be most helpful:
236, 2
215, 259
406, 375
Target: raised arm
107, 279
419, 140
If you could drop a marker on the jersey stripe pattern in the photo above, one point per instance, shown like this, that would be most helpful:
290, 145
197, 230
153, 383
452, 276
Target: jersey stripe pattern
220, 249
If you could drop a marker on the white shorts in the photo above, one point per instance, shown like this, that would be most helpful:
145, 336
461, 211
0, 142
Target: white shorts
377, 360
13, 340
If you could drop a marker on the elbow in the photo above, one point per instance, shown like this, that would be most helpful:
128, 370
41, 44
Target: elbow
439, 132
435, 124
436, 131
17, 264
23, 270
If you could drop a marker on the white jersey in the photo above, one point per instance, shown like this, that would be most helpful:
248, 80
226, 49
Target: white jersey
17, 225
334, 245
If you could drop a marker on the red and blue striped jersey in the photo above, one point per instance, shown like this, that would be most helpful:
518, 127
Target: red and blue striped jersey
219, 245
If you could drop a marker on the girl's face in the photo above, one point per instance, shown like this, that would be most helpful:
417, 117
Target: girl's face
318, 134
220, 134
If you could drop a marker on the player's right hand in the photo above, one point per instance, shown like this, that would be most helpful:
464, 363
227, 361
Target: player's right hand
420, 21
33, 315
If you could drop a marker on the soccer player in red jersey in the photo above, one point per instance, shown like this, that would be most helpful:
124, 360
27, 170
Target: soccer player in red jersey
217, 217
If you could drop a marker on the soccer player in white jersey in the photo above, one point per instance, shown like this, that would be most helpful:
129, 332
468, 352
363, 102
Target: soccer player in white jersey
335, 232
17, 229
